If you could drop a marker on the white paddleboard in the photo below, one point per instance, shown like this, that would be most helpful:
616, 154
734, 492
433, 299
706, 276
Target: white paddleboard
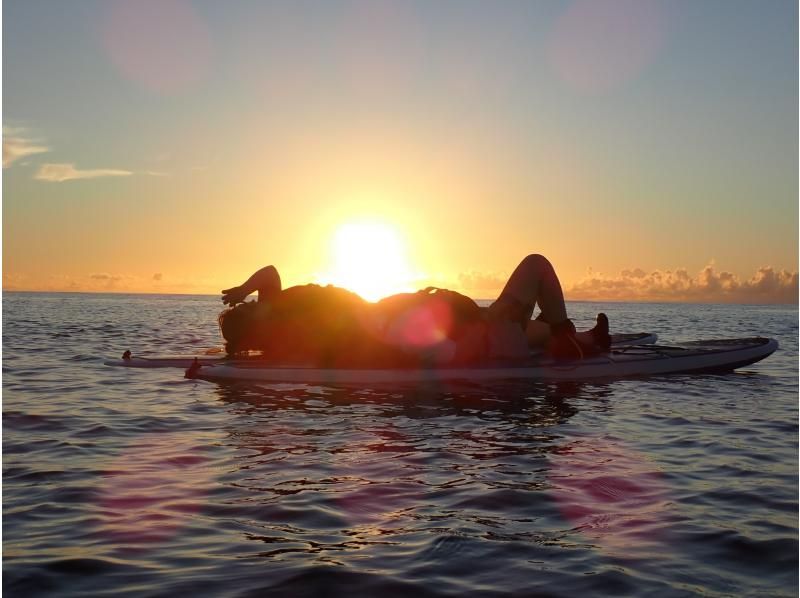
697, 357
185, 361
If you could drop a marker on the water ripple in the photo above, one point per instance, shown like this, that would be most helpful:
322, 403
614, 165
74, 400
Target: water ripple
143, 483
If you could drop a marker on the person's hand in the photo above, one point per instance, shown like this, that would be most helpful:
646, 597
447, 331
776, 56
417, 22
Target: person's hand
233, 296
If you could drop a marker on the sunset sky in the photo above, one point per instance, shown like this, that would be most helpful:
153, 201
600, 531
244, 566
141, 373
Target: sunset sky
649, 149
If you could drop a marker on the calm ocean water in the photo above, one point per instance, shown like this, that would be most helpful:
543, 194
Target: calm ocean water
141, 483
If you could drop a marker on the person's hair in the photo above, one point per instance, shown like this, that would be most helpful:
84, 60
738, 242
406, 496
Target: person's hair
239, 325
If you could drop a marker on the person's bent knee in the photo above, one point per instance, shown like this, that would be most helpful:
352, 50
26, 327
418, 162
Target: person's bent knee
537, 262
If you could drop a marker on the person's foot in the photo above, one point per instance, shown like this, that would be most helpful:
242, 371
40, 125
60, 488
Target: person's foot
566, 343
597, 336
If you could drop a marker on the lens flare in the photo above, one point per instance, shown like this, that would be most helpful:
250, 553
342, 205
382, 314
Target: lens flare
597, 45
150, 489
610, 493
161, 45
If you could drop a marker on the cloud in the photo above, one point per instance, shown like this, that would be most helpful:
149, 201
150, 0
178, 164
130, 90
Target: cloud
108, 282
767, 285
110, 278
17, 144
58, 173
13, 281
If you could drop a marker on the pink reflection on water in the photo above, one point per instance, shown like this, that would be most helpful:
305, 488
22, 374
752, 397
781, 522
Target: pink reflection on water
162, 45
149, 489
611, 493
597, 45
376, 504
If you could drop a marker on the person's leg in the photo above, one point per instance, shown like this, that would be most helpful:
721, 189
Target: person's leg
533, 281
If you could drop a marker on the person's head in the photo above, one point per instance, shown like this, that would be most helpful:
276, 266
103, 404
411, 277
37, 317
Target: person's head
240, 326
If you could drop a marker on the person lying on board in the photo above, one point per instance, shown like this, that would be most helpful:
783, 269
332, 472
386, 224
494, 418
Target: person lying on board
333, 326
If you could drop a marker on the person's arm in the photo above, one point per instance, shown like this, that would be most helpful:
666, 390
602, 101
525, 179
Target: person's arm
266, 281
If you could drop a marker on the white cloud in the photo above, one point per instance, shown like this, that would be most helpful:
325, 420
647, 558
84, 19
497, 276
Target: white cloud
58, 173
17, 144
767, 285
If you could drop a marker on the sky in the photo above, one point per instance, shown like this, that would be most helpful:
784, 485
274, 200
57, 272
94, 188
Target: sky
649, 149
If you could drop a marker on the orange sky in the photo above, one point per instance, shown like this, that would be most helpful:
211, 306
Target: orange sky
176, 147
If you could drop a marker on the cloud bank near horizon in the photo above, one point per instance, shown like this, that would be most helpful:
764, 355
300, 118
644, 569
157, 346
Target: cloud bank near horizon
766, 285
102, 282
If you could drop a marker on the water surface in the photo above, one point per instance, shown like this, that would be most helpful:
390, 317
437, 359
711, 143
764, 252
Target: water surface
138, 482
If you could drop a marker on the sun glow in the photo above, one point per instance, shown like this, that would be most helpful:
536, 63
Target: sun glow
369, 258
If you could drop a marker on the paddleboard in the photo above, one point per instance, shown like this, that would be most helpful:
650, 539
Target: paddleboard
710, 356
185, 361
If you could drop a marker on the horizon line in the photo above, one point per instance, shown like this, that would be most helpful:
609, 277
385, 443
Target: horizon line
637, 301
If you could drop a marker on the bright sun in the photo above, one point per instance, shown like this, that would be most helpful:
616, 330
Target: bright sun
369, 258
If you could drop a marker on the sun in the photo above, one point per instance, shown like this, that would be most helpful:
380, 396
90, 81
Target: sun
369, 257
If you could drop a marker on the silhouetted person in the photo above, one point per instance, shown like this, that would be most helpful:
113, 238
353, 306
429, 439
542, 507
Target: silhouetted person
503, 331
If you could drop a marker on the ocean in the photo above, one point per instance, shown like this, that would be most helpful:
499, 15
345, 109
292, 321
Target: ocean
141, 483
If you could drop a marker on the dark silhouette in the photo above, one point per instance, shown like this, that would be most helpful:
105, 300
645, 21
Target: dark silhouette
333, 327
